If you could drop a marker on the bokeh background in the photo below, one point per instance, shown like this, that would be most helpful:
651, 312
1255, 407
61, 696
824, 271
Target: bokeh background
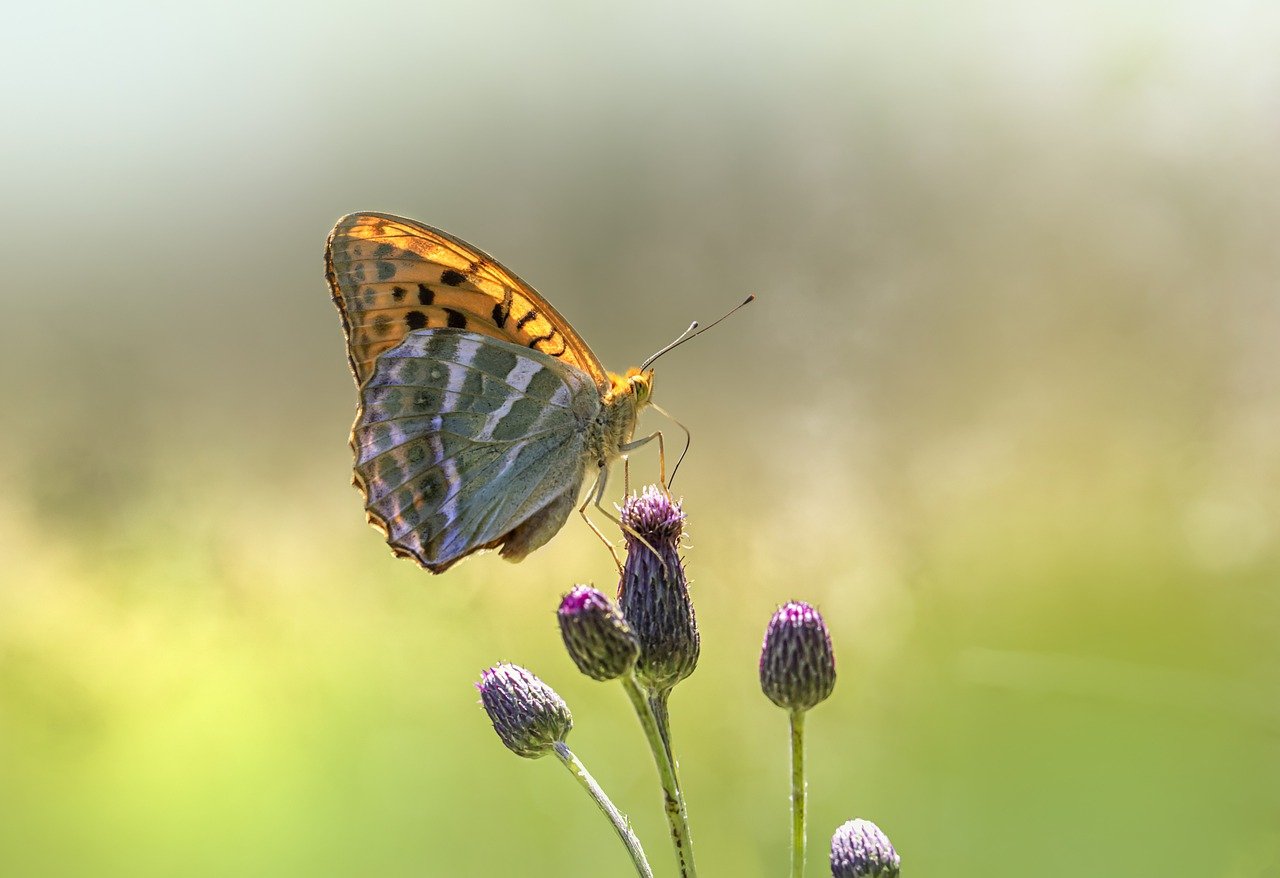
1007, 410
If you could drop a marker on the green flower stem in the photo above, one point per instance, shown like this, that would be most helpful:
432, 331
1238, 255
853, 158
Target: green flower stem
652, 711
620, 824
662, 721
798, 836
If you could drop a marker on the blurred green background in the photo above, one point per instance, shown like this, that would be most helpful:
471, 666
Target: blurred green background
1007, 410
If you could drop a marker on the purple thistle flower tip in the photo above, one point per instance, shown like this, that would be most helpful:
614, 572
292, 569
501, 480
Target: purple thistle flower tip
860, 850
652, 514
598, 638
526, 713
654, 592
583, 598
797, 664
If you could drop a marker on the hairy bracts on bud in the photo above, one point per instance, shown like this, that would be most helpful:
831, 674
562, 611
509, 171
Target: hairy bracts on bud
526, 713
860, 850
598, 638
654, 593
797, 665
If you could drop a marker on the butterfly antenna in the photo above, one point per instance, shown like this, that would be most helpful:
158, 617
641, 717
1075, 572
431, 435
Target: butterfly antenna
684, 336
691, 333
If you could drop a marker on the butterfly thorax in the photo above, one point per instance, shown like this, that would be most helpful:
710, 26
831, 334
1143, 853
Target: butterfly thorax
620, 406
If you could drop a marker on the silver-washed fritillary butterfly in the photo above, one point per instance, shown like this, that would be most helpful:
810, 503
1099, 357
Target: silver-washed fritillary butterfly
480, 408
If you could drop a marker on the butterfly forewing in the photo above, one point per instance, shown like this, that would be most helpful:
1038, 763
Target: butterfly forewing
391, 276
462, 438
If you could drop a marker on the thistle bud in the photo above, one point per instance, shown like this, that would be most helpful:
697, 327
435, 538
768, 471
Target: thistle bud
797, 666
598, 638
654, 593
860, 850
526, 713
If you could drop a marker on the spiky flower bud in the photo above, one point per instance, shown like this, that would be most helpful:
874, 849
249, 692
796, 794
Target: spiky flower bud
598, 638
860, 850
654, 593
526, 713
797, 666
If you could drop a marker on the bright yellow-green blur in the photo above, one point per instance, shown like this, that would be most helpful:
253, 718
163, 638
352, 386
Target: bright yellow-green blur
1007, 410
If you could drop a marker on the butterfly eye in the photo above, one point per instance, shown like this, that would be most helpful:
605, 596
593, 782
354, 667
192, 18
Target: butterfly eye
642, 386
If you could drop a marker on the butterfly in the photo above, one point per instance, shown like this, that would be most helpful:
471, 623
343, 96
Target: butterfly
481, 410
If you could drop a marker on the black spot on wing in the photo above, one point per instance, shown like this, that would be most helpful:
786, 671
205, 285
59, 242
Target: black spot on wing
452, 278
502, 310
537, 343
456, 319
397, 293
531, 314
425, 295
415, 320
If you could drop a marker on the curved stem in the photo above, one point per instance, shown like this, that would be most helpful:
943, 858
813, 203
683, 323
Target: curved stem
798, 791
620, 824
652, 711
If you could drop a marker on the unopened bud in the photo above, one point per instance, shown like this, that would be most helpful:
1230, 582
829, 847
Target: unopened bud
654, 593
598, 638
797, 665
526, 713
860, 850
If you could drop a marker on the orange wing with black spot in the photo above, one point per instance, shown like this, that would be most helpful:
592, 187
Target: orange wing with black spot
390, 276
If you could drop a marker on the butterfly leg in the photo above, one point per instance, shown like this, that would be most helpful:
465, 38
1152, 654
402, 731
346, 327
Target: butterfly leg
662, 480
688, 439
596, 494
594, 497
662, 458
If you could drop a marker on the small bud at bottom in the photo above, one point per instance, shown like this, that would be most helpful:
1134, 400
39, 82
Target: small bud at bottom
526, 713
860, 850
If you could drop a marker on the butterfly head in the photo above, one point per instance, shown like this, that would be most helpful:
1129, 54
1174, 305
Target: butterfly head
637, 384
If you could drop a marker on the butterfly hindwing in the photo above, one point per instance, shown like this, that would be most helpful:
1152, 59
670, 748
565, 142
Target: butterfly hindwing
391, 276
466, 442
